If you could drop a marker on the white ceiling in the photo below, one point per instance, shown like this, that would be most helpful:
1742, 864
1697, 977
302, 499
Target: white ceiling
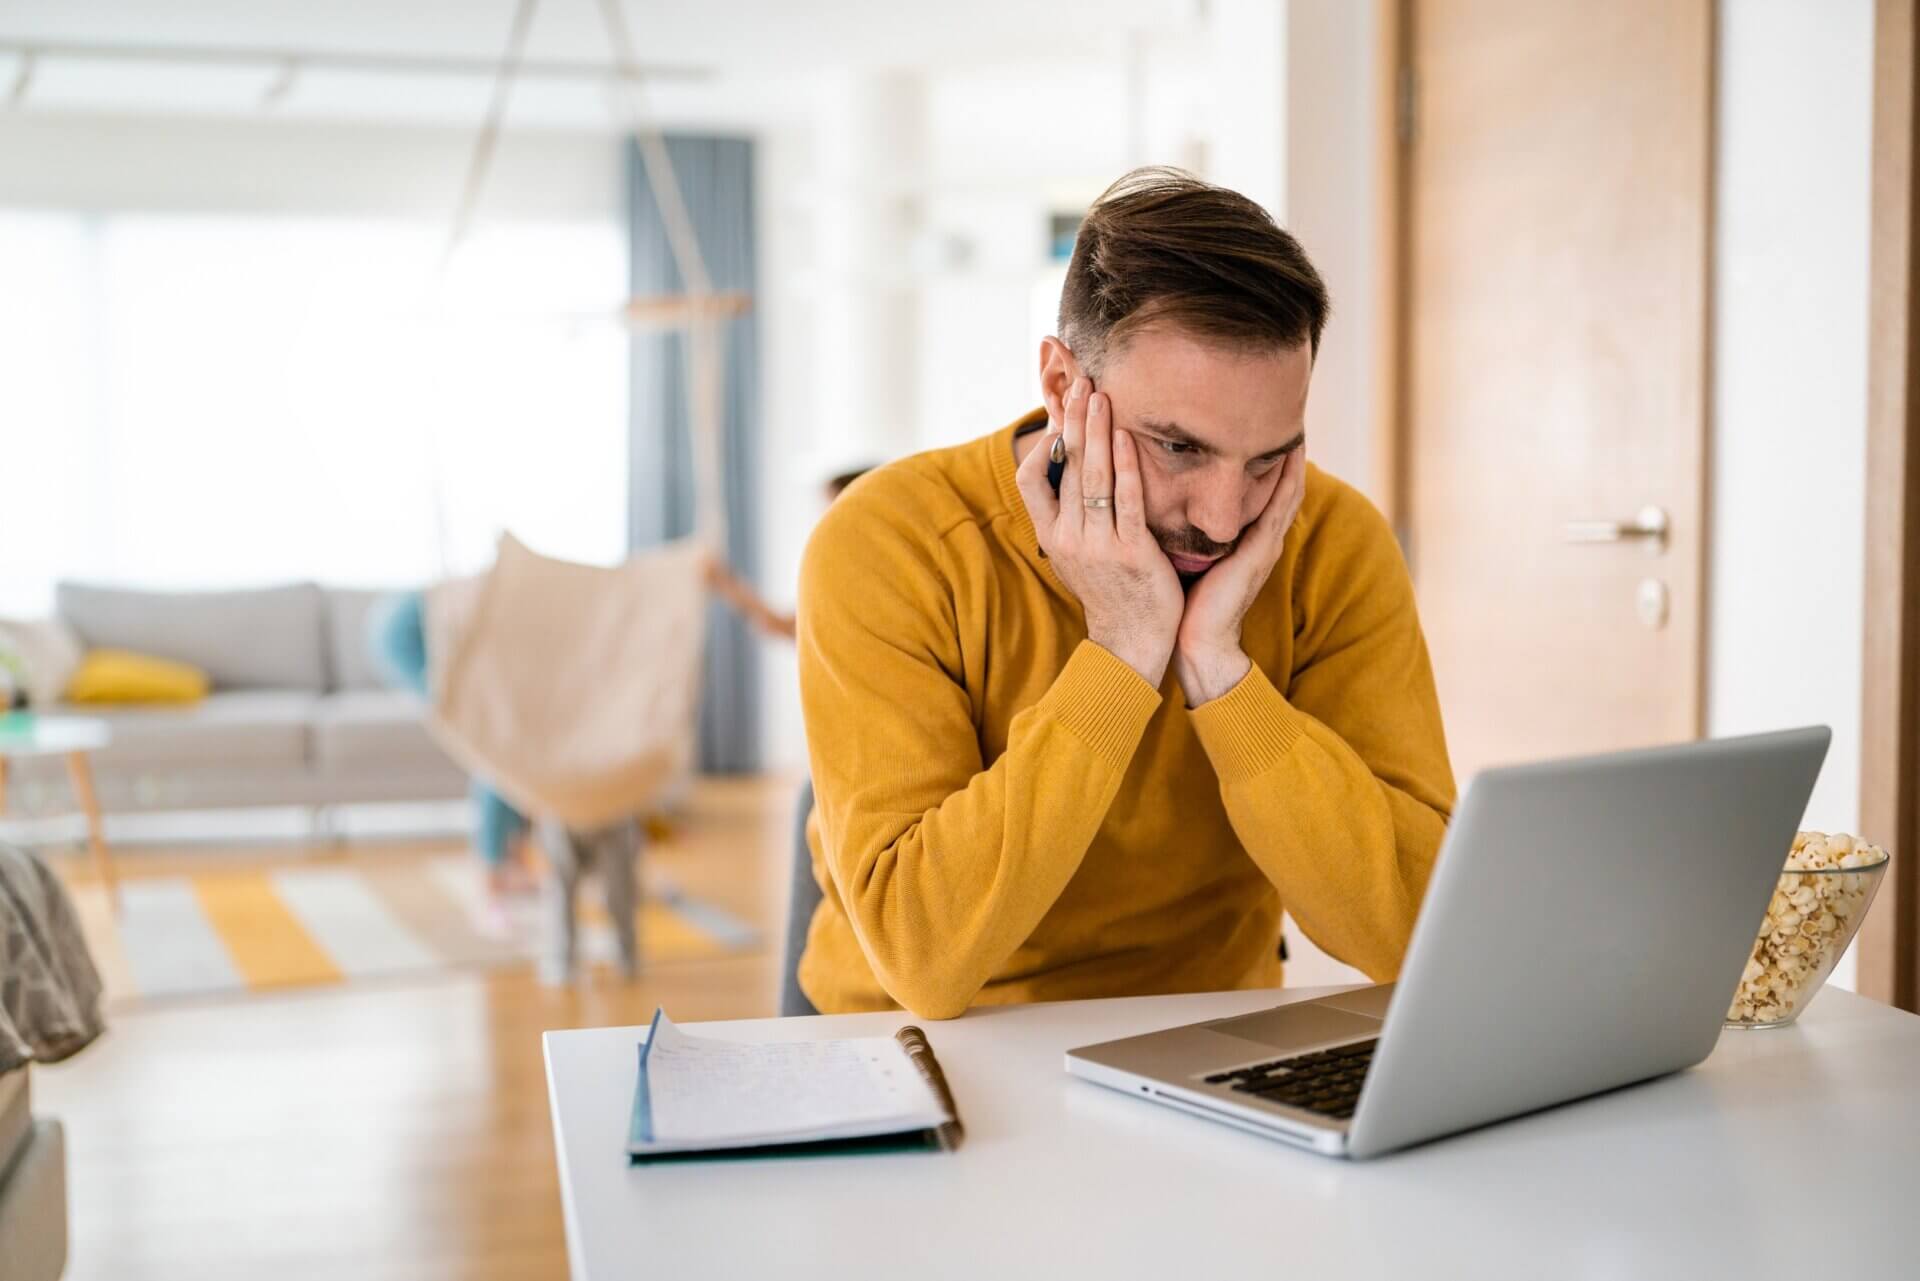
740, 61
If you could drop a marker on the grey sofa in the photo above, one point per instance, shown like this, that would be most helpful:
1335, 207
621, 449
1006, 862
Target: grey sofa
298, 714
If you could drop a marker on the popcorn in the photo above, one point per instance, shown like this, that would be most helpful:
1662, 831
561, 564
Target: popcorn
1817, 904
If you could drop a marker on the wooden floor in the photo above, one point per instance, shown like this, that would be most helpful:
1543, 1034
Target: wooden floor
375, 1131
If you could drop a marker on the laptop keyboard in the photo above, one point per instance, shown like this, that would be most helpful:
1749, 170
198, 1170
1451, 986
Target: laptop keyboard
1327, 1082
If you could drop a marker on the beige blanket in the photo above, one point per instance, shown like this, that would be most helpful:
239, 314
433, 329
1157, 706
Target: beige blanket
571, 688
49, 990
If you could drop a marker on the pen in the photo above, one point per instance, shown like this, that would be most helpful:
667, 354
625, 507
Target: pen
914, 1041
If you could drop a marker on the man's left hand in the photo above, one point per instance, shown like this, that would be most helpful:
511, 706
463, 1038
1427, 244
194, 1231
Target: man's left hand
1207, 655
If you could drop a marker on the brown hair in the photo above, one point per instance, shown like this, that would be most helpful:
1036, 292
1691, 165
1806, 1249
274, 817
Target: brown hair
837, 485
1162, 247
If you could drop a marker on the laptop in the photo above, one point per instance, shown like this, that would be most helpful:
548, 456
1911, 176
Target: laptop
1585, 928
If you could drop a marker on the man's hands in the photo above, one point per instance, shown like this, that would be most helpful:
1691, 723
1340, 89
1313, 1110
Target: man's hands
1112, 562
1207, 653
1106, 555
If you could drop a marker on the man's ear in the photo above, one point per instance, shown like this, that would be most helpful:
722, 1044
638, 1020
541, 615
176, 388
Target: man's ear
1058, 369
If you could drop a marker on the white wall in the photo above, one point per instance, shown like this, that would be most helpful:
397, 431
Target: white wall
1330, 196
1792, 178
166, 163
788, 374
1252, 55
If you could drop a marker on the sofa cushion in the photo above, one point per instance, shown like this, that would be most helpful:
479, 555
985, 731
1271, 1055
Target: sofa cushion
118, 677
354, 728
49, 650
269, 638
349, 653
229, 728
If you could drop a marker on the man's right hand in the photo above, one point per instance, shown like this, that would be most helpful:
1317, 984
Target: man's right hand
1106, 555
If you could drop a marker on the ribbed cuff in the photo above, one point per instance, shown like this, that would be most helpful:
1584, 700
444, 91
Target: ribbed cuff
1103, 702
1248, 729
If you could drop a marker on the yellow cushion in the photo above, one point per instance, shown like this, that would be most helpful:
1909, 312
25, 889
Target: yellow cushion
120, 676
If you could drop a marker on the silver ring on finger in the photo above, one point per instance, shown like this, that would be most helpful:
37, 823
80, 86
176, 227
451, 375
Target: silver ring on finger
1097, 502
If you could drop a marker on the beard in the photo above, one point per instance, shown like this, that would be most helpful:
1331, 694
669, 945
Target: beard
1190, 542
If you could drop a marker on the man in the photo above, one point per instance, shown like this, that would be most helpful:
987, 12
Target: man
1092, 742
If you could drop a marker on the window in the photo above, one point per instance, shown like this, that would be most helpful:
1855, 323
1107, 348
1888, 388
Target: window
208, 401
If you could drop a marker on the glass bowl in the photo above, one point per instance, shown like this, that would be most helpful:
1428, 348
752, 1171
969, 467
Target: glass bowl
1812, 917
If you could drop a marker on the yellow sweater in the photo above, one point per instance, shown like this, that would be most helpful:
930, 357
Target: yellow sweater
1006, 812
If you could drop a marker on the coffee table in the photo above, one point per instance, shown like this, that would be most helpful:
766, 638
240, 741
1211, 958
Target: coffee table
72, 737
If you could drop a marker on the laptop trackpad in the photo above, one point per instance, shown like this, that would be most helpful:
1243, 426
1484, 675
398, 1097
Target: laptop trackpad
1298, 1026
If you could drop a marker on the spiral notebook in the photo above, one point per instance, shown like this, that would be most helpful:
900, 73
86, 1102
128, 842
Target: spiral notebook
703, 1095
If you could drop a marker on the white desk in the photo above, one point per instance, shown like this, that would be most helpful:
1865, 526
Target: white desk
1791, 1153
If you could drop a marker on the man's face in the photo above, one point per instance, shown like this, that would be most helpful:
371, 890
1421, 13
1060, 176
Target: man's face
1213, 426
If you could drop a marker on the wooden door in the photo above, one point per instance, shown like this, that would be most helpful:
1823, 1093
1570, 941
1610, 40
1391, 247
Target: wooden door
1556, 198
1889, 944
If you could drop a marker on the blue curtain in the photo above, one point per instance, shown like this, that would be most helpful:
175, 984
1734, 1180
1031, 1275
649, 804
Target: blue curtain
716, 179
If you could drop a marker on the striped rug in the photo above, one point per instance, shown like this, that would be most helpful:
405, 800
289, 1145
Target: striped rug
254, 930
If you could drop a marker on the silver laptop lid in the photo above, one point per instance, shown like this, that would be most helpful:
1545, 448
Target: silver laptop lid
1585, 927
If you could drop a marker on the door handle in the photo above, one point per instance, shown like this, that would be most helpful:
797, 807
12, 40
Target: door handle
1649, 524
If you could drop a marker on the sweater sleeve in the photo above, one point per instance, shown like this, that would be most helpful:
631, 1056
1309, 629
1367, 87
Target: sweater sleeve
1340, 789
944, 862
